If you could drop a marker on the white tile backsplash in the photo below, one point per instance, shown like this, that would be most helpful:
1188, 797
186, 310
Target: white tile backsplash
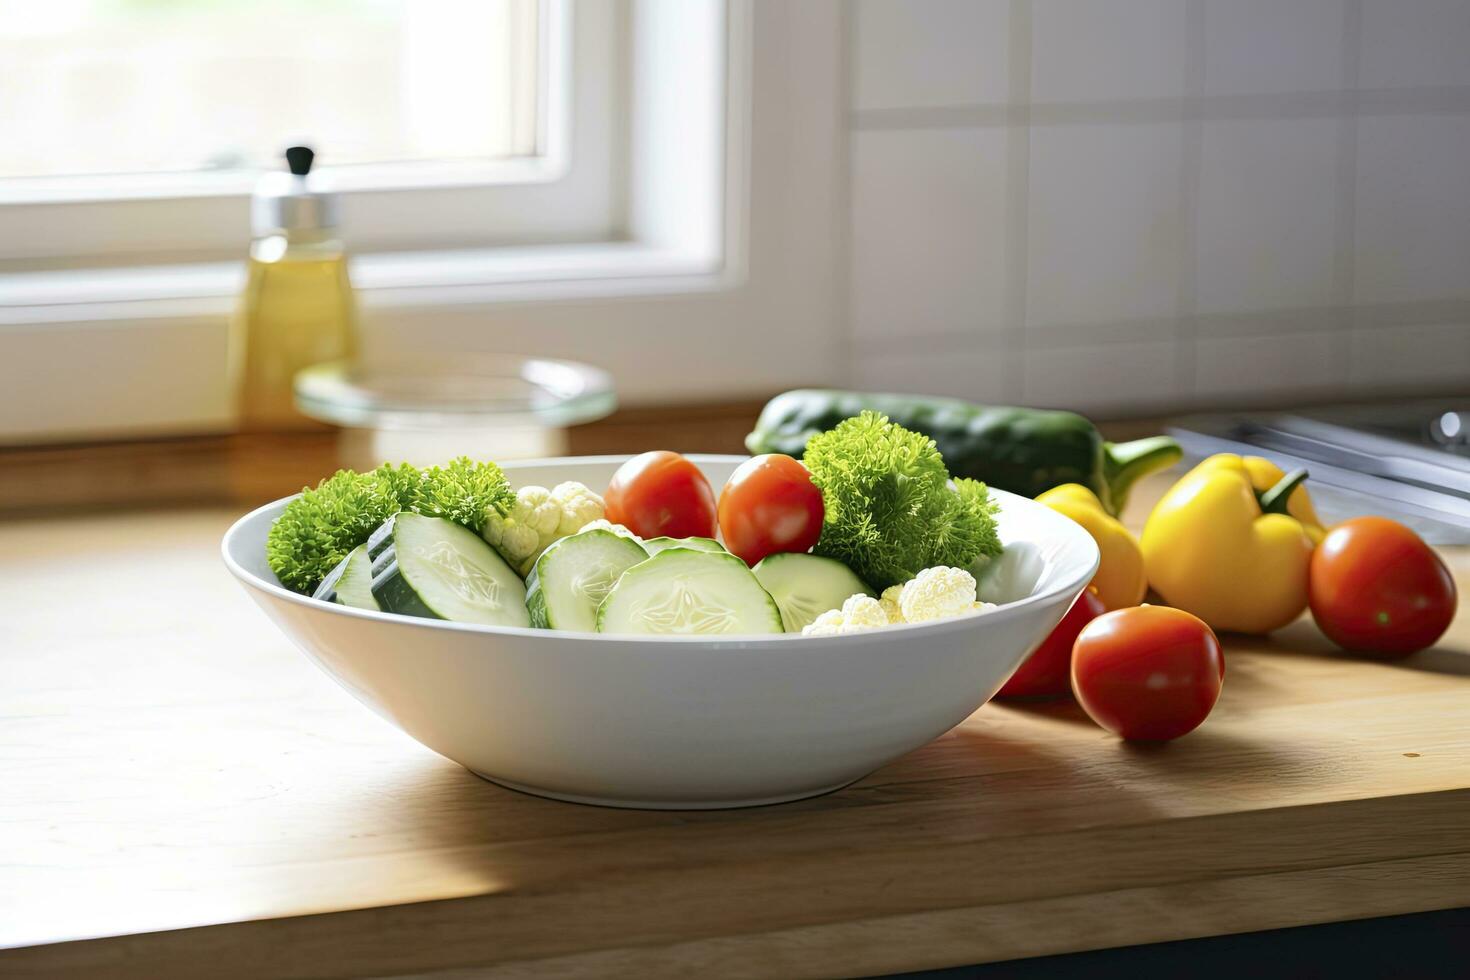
1267, 215
1410, 43
1410, 355
1254, 46
1224, 367
1102, 377
1133, 205
1101, 50
987, 374
1104, 215
928, 227
931, 53
1413, 208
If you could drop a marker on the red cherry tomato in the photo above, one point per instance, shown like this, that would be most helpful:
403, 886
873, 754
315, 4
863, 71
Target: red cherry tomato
770, 505
1151, 672
662, 493
1376, 587
1048, 671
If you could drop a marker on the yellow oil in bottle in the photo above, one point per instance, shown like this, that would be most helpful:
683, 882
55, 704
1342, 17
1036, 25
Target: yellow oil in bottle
297, 311
298, 307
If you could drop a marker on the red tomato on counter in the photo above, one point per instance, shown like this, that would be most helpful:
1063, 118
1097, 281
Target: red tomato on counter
1048, 671
1150, 673
662, 493
1376, 587
770, 505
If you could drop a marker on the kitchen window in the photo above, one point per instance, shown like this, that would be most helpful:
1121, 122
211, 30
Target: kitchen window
135, 128
139, 87
484, 151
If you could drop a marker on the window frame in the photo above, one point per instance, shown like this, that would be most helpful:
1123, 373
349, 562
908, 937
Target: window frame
565, 192
144, 338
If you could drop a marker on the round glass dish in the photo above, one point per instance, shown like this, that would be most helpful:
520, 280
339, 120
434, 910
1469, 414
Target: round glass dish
463, 391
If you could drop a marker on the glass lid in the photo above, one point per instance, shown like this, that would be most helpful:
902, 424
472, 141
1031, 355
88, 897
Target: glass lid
455, 391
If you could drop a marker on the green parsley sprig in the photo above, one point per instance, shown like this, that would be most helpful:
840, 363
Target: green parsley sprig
891, 509
319, 528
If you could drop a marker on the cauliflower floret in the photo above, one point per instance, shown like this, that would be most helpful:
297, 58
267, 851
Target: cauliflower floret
889, 600
827, 624
535, 508
863, 612
937, 593
860, 612
832, 617
510, 536
538, 518
578, 505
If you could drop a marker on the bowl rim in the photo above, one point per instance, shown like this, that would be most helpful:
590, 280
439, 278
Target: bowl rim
1004, 611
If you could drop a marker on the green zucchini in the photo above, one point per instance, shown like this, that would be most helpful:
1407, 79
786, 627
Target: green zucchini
1024, 450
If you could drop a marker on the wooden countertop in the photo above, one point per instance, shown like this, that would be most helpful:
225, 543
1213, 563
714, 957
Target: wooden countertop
184, 794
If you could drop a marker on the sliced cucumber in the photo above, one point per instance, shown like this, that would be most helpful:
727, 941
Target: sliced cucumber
574, 575
351, 582
381, 539
805, 586
437, 569
680, 590
655, 545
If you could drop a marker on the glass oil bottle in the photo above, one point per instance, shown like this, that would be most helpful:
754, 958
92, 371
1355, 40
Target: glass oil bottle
298, 307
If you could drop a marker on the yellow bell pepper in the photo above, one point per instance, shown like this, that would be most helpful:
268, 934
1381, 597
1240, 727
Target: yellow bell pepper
1231, 542
1120, 580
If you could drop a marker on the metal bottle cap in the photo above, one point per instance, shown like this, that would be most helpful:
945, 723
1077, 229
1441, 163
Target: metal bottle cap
292, 202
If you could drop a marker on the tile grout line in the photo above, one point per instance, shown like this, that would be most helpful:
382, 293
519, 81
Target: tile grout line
1345, 220
1190, 177
1018, 200
1265, 106
1292, 322
848, 26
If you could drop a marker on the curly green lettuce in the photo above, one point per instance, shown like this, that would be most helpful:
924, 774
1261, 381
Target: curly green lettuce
317, 530
402, 481
891, 509
464, 492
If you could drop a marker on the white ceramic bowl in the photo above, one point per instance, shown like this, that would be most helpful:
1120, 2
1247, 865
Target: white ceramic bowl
674, 722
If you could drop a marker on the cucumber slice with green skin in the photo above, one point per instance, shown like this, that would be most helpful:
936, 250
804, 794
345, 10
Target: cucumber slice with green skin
805, 586
351, 582
439, 570
327, 590
394, 595
380, 540
574, 575
655, 545
683, 591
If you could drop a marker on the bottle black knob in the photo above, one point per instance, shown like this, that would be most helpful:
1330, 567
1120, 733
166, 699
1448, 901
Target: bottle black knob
299, 158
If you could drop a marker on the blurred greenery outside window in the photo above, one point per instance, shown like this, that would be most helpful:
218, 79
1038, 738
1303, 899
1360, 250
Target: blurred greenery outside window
96, 87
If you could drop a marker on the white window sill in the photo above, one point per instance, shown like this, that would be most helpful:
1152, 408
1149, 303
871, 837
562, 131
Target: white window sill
149, 345
386, 280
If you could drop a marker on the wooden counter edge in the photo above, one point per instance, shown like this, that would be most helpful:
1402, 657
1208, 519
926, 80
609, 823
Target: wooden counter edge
1224, 874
